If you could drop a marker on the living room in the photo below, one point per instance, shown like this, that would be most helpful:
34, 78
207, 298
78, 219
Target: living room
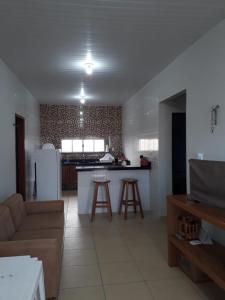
144, 57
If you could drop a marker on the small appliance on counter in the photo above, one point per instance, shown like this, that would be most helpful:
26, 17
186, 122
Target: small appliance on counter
107, 158
46, 166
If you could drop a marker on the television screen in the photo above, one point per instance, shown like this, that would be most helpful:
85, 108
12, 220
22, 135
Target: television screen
207, 182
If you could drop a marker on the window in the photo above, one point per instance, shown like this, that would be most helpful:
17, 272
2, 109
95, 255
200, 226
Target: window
99, 146
88, 145
67, 146
148, 145
77, 146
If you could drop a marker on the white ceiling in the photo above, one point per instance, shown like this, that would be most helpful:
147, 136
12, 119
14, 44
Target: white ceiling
43, 42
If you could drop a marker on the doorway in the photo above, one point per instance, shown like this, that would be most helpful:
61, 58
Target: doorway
172, 148
20, 155
179, 153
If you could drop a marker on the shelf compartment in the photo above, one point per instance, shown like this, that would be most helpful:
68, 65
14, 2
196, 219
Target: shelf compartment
210, 259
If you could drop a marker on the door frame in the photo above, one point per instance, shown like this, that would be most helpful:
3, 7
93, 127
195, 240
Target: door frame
20, 155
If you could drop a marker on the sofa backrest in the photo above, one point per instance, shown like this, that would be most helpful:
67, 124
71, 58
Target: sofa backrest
7, 228
17, 209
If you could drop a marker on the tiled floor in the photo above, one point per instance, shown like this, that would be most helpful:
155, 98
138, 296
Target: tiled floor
122, 260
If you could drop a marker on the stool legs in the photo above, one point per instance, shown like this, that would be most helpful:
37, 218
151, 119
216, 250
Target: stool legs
126, 201
109, 209
94, 202
134, 198
101, 204
121, 198
139, 201
136, 201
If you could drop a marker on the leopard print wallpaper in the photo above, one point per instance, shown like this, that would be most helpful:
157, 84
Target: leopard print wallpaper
63, 121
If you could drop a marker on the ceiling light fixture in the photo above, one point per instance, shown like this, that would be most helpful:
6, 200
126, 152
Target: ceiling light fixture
81, 113
82, 92
82, 100
89, 64
82, 95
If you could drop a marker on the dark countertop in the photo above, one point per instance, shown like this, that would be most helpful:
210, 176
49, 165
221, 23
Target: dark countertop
84, 163
111, 168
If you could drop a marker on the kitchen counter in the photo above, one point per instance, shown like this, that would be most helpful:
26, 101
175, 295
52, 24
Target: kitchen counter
83, 162
86, 175
111, 167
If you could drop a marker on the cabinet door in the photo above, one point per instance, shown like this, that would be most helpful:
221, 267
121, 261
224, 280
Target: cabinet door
69, 178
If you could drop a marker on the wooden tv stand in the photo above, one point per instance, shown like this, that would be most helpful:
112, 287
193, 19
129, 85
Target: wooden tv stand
210, 259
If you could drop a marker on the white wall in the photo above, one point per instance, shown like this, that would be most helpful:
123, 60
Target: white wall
201, 71
15, 98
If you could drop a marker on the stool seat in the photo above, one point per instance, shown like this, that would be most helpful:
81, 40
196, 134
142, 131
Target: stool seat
135, 201
103, 203
101, 181
130, 180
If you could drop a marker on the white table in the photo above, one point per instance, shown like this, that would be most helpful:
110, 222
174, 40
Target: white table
21, 278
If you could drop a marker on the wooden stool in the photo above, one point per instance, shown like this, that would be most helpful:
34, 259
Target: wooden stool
136, 201
101, 204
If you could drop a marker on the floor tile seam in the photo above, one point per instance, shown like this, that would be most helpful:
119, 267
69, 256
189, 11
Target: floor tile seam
84, 266
79, 248
198, 292
124, 282
100, 247
173, 279
150, 290
128, 283
115, 261
135, 263
98, 264
77, 265
80, 286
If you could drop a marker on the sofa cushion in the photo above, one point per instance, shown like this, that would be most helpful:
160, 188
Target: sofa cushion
7, 228
40, 234
17, 209
43, 221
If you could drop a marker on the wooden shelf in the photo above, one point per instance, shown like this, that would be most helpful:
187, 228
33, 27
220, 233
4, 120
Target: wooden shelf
213, 215
210, 259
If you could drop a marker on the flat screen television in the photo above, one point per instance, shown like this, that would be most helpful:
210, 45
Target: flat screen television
207, 182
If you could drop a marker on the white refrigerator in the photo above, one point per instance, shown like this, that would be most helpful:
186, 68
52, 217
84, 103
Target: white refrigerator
47, 173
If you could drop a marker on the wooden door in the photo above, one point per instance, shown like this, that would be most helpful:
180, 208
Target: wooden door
20, 155
69, 177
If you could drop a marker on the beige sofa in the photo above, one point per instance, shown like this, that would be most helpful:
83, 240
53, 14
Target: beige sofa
36, 229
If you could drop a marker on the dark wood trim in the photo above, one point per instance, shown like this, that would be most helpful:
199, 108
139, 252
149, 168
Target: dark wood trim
20, 155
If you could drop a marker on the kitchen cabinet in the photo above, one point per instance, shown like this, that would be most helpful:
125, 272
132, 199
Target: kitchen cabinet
69, 177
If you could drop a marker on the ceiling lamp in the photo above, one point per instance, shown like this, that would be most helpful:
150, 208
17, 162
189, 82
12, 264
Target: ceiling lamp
82, 100
82, 95
89, 64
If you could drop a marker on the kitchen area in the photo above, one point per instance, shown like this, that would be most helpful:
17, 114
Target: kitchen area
89, 140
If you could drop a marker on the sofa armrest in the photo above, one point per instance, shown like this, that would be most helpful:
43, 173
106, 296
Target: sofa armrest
44, 206
26, 247
45, 250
